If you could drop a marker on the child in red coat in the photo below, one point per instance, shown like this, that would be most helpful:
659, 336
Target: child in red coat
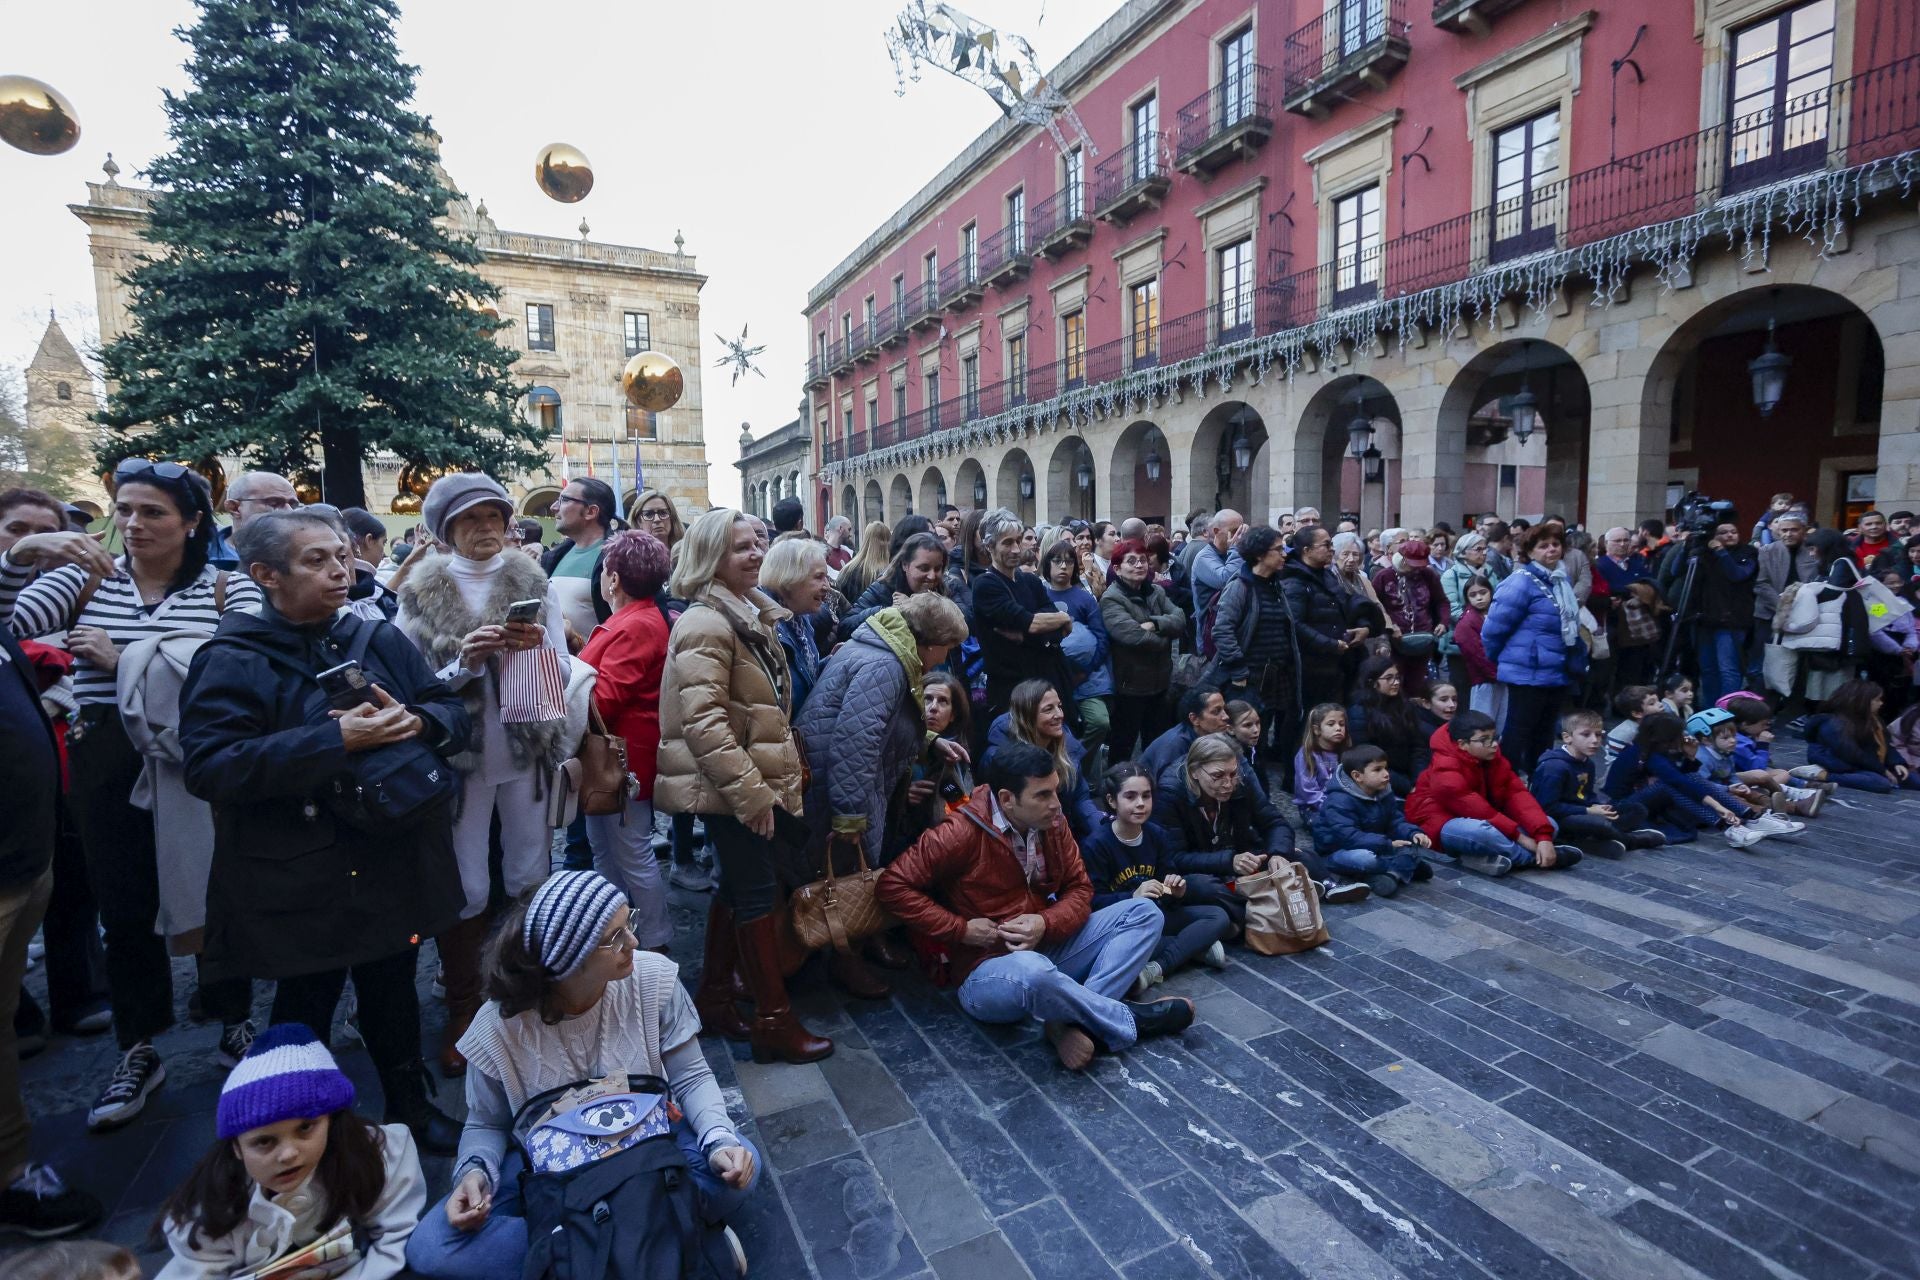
1473, 805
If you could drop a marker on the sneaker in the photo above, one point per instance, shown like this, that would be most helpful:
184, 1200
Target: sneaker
1808, 773
737, 1250
1806, 800
1487, 864
692, 877
1423, 870
1215, 956
1604, 848
140, 1072
1774, 825
235, 1039
1646, 838
39, 1206
1161, 1017
1568, 855
1744, 837
1383, 885
1152, 975
1334, 892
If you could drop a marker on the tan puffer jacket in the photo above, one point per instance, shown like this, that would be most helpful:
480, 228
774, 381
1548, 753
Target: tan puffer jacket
725, 743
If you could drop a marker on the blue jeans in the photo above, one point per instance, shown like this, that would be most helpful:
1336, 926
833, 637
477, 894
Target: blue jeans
1478, 836
1860, 780
1399, 864
1083, 980
1722, 653
439, 1250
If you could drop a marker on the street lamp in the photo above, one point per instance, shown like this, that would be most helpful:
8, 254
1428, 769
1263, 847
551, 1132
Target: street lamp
1152, 462
1524, 408
979, 491
1242, 447
1769, 370
1359, 432
1083, 474
1373, 465
1026, 484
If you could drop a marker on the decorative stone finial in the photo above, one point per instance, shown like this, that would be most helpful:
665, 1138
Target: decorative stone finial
111, 169
584, 228
746, 435
679, 243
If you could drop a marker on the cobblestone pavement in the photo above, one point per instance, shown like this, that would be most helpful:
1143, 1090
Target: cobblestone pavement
1689, 1062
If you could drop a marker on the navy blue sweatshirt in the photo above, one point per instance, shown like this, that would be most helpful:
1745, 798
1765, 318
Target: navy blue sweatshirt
1349, 818
1564, 786
1117, 869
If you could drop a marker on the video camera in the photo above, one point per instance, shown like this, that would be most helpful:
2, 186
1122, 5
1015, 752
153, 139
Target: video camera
1697, 513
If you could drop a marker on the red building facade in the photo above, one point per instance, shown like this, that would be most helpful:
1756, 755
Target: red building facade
1406, 259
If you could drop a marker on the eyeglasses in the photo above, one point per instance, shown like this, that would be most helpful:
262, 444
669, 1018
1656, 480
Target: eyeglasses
567, 497
1480, 741
663, 517
133, 468
623, 939
276, 503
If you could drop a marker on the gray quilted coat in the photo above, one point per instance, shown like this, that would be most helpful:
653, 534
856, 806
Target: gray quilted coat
864, 730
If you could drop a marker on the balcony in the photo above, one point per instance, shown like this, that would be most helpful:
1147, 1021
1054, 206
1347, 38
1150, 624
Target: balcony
1005, 257
840, 356
1231, 120
1358, 44
960, 285
1870, 118
1133, 180
1470, 17
891, 328
817, 375
1059, 224
923, 305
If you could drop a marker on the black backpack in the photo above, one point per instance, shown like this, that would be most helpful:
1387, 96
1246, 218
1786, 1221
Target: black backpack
628, 1216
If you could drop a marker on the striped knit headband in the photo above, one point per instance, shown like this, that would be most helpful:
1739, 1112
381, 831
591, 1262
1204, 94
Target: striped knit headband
565, 918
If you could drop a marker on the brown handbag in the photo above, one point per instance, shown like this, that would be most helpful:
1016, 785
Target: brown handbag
839, 911
603, 767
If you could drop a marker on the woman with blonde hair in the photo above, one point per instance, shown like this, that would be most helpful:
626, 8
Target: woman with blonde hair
1035, 715
655, 513
870, 562
728, 753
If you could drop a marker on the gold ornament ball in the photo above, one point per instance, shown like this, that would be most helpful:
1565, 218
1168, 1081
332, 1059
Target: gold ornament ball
563, 172
35, 117
215, 475
405, 504
306, 487
653, 381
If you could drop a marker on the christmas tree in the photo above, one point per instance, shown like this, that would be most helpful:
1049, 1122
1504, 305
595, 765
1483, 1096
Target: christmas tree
303, 300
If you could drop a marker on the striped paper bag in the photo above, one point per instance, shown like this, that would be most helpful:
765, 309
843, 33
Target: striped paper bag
533, 686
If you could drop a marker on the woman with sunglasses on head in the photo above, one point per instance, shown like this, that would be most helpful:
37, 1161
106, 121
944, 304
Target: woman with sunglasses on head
163, 584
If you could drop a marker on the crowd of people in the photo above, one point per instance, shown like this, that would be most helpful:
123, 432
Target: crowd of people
294, 753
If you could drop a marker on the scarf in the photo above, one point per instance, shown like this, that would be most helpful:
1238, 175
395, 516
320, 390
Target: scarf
891, 625
1559, 589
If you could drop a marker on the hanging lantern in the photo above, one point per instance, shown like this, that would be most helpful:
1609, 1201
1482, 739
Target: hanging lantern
1359, 435
1524, 410
979, 491
1152, 462
1769, 370
1083, 474
1026, 484
1242, 449
1373, 466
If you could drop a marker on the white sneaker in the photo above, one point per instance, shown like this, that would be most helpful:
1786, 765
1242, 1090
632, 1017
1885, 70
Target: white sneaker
1151, 976
738, 1250
1774, 825
1745, 836
1215, 956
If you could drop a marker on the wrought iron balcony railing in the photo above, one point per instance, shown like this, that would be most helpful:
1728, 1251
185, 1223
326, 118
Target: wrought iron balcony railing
1229, 120
1132, 179
1355, 43
1060, 222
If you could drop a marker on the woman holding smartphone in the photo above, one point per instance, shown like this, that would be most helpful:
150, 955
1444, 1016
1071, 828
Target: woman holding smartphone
459, 610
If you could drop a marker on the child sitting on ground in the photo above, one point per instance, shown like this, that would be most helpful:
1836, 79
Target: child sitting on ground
1755, 809
1318, 760
295, 1164
1632, 704
1473, 805
1441, 704
1657, 773
1566, 784
1753, 745
1247, 731
1679, 699
1849, 741
1770, 789
1130, 858
1362, 831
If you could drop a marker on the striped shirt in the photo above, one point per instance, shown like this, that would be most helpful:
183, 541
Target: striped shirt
38, 606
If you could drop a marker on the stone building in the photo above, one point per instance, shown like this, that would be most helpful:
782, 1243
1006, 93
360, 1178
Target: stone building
60, 394
1411, 259
576, 310
771, 467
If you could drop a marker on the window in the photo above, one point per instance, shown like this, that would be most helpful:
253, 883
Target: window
899, 298
63, 391
1073, 347
846, 421
1073, 181
1017, 221
899, 401
1361, 23
1236, 77
539, 326
1146, 139
930, 385
846, 332
931, 263
1526, 174
970, 382
867, 315
970, 250
543, 409
639, 332
1233, 266
820, 349
1017, 368
1777, 95
1143, 322
1356, 246
873, 412
642, 425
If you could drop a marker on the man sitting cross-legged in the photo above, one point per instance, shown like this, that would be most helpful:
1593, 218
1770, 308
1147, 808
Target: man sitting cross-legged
1000, 888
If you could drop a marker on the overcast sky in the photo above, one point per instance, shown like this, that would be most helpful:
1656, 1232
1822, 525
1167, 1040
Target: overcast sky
767, 132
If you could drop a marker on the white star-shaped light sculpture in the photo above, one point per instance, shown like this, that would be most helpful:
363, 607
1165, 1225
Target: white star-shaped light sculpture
739, 355
1001, 64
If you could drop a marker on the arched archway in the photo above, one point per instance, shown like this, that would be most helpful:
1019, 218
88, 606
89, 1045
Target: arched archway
1520, 412
876, 505
850, 504
539, 502
899, 499
1227, 445
1821, 441
933, 492
970, 485
1326, 472
1072, 486
1142, 479
1016, 486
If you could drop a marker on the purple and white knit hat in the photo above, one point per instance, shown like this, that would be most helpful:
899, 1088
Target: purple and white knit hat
287, 1075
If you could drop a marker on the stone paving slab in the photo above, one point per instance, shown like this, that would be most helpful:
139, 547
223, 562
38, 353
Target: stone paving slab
1693, 1063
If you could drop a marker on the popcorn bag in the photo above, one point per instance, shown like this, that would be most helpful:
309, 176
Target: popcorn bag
533, 686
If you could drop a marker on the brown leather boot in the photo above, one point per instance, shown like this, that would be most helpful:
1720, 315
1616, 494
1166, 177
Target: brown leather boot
888, 954
856, 978
775, 1034
720, 985
460, 975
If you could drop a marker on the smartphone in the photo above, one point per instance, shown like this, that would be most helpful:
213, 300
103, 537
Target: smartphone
523, 610
347, 687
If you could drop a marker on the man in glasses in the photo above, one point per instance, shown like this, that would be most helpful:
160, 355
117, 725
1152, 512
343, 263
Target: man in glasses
252, 494
583, 513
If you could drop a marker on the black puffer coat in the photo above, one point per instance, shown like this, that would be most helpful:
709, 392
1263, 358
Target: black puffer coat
1322, 615
292, 890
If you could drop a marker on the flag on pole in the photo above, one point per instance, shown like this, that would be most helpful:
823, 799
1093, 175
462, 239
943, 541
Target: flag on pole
639, 475
566, 462
615, 451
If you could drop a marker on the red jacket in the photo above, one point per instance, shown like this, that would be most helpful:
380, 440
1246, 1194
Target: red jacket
50, 666
629, 651
964, 869
1466, 634
1456, 785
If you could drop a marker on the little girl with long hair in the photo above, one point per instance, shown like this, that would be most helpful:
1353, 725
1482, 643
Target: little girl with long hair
1851, 743
1318, 759
294, 1163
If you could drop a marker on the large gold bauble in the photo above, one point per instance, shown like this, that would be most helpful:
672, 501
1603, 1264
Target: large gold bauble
306, 487
653, 381
36, 117
107, 482
563, 172
419, 478
405, 504
215, 475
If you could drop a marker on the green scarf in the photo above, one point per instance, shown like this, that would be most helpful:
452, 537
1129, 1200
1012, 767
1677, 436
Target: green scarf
891, 625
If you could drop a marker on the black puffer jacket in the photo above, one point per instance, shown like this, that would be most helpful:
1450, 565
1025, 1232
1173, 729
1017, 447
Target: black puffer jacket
1322, 615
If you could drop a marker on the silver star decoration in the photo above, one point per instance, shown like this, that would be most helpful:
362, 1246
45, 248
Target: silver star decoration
739, 355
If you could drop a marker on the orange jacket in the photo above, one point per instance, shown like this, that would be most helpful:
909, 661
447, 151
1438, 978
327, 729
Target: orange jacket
964, 869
